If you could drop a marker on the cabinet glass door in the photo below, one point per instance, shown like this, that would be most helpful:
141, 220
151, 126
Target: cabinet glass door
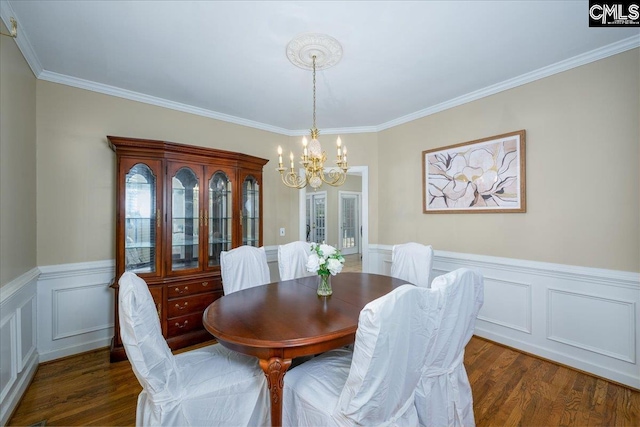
140, 220
250, 212
185, 223
219, 217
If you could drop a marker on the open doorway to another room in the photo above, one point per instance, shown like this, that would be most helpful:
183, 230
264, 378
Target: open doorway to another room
340, 215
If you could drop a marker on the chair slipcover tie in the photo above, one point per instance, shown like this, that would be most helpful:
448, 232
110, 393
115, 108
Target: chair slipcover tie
452, 385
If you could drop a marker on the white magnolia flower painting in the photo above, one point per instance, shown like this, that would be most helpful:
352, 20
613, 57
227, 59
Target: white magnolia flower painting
485, 175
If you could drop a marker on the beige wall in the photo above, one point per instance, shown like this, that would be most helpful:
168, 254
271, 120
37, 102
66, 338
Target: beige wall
17, 163
582, 171
76, 168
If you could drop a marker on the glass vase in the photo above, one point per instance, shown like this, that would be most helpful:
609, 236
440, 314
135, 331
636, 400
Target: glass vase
324, 285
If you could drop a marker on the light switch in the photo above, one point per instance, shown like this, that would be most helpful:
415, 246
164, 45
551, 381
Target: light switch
282, 232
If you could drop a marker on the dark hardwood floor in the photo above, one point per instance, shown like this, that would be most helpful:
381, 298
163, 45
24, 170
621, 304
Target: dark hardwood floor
510, 388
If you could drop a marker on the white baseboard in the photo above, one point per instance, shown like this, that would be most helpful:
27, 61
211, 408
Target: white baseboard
581, 317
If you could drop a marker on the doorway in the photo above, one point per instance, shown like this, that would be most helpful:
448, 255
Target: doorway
333, 233
349, 222
316, 217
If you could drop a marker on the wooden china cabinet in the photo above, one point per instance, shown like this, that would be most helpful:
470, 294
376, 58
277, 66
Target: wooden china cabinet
177, 207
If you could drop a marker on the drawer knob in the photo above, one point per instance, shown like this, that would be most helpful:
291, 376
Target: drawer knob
179, 307
186, 288
183, 325
205, 283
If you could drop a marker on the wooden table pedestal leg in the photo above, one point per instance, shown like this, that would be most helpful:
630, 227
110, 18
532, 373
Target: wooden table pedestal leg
274, 369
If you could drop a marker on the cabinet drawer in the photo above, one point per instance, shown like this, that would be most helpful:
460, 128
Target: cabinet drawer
191, 304
191, 288
183, 324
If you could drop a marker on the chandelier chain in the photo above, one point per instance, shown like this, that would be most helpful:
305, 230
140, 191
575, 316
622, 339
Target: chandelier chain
314, 91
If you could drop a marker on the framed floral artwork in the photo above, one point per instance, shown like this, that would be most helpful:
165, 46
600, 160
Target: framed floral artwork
481, 176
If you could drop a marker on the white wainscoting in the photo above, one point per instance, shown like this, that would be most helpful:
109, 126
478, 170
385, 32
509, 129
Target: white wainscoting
18, 343
75, 308
582, 317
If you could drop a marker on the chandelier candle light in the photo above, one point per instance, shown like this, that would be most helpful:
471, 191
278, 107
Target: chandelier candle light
323, 52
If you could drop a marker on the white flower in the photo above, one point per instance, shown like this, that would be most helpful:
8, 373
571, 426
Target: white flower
313, 263
327, 250
324, 259
334, 266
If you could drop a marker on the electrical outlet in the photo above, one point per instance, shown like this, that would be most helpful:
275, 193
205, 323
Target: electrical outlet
282, 232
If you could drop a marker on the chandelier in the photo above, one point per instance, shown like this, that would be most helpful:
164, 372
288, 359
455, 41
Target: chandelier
301, 50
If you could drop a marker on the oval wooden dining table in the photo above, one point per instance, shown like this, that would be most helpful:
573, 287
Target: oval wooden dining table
284, 320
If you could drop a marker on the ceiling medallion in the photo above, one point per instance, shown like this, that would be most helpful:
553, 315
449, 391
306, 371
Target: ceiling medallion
304, 47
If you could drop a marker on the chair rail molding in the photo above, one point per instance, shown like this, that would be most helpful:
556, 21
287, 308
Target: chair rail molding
582, 317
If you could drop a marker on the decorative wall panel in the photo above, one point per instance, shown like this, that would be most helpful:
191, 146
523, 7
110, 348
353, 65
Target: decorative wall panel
507, 304
594, 323
27, 330
74, 310
8, 362
18, 352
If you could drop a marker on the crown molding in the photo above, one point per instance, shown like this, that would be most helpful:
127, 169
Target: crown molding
559, 67
27, 51
159, 102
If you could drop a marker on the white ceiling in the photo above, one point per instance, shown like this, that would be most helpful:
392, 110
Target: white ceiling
401, 60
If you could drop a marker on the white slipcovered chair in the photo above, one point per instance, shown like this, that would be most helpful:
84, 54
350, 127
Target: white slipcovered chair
412, 262
207, 386
243, 267
443, 396
292, 260
375, 383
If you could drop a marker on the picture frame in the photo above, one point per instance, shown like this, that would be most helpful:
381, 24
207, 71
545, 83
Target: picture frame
482, 176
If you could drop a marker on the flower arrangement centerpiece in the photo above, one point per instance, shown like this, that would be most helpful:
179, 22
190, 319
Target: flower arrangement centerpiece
327, 261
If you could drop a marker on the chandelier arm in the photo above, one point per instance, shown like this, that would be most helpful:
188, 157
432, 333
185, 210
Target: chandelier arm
293, 180
334, 177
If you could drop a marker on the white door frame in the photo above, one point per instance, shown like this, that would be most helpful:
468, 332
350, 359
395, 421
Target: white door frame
363, 171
